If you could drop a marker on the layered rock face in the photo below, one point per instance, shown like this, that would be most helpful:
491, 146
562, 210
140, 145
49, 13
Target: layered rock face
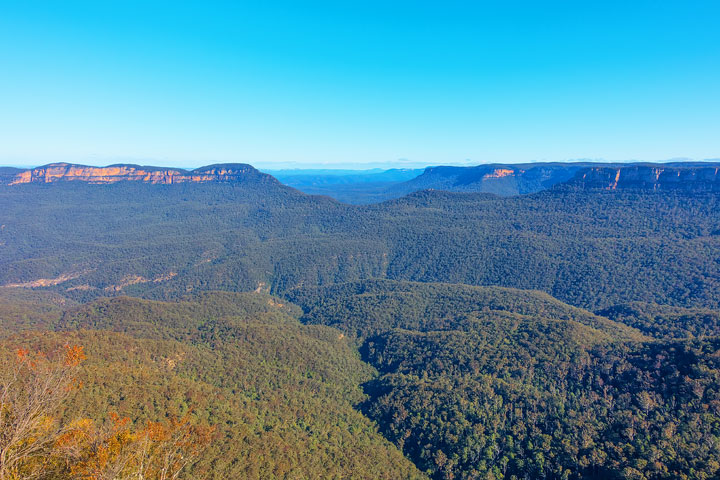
499, 179
116, 173
693, 178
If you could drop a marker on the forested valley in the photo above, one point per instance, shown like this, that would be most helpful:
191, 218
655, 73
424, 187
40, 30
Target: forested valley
571, 333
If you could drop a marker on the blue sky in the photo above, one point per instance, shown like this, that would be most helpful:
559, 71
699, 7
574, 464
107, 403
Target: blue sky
352, 84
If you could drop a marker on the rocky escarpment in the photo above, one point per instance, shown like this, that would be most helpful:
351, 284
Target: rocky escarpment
58, 172
493, 178
696, 178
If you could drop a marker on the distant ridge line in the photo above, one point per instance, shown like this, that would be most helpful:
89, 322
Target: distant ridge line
519, 179
497, 178
58, 172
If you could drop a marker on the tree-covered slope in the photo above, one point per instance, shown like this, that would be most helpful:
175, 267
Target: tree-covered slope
479, 382
279, 394
504, 410
592, 249
363, 309
28, 309
467, 382
664, 321
585, 248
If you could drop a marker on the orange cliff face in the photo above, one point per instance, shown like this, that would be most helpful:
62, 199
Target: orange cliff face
500, 172
116, 173
63, 171
694, 178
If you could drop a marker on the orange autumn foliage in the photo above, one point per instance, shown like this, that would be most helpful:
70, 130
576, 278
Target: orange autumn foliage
36, 444
158, 451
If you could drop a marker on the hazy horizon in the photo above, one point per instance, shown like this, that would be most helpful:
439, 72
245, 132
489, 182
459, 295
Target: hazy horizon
354, 167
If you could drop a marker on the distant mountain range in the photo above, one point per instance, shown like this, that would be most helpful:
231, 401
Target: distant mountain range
507, 180
348, 186
500, 179
363, 187
56, 172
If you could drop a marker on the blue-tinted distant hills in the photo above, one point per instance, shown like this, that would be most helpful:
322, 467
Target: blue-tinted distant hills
332, 177
372, 186
347, 186
375, 186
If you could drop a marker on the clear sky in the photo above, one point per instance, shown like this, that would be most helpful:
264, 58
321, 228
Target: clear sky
346, 83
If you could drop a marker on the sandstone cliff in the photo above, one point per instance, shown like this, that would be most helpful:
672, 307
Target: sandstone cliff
499, 179
651, 177
58, 172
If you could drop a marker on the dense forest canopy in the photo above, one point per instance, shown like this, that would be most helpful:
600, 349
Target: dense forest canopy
592, 249
572, 333
280, 394
495, 383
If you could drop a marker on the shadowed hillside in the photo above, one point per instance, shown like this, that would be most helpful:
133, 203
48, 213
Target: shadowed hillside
498, 383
